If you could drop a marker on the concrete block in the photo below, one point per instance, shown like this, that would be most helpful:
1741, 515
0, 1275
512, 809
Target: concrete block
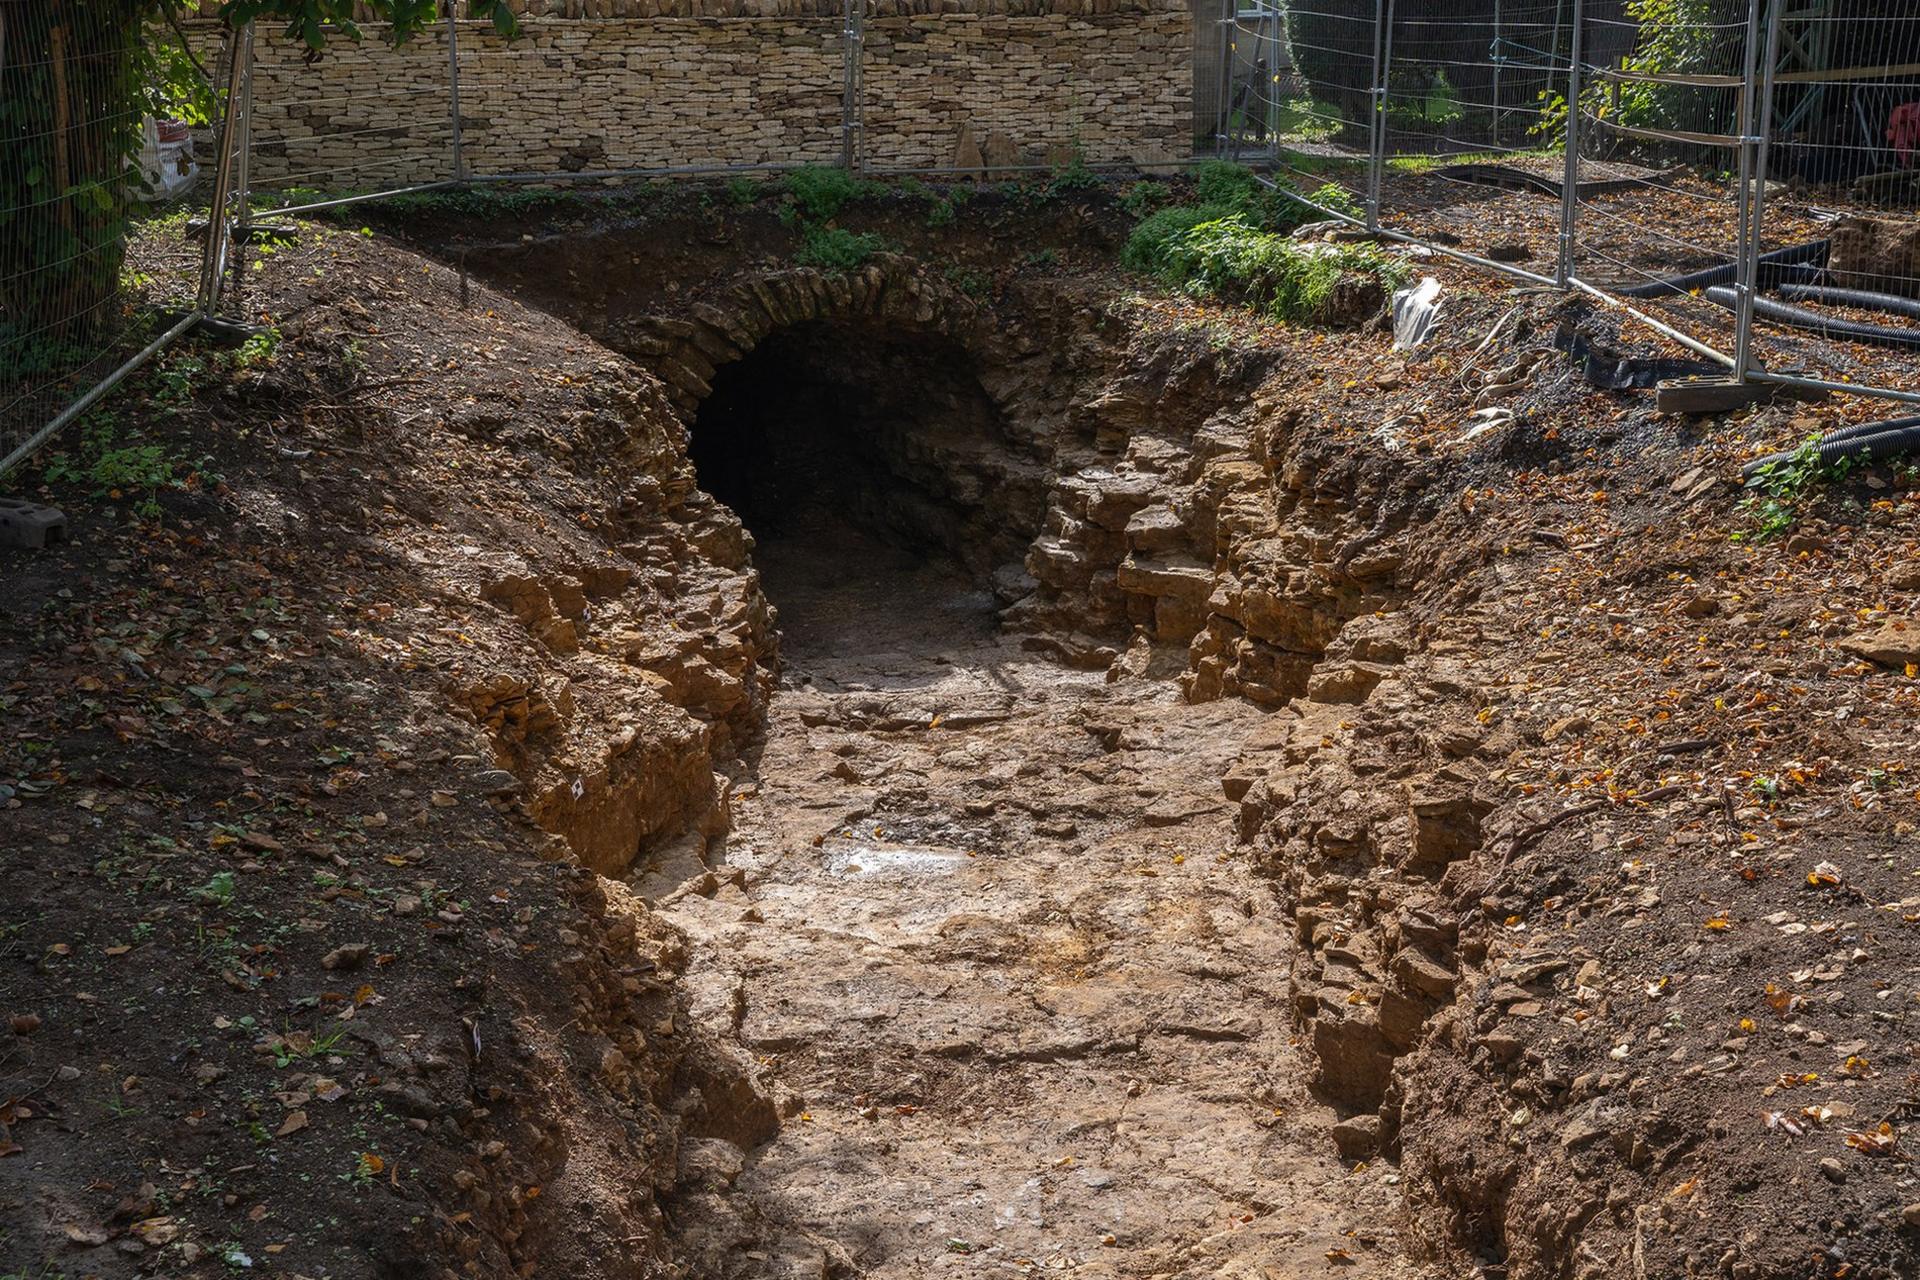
28, 525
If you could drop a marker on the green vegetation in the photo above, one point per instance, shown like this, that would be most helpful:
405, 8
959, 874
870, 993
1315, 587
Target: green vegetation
115, 460
836, 248
1335, 198
1075, 175
1305, 120
1222, 190
818, 193
217, 892
1276, 276
114, 465
482, 203
1782, 490
67, 194
1677, 38
1424, 100
1143, 197
1150, 247
814, 197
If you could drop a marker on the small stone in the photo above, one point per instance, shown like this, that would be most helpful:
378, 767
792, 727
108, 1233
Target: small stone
1911, 1214
1893, 645
1700, 606
1833, 1169
351, 956
497, 782
1357, 1137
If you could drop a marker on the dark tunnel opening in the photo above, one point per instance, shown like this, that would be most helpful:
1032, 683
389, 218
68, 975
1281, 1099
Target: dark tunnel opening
874, 472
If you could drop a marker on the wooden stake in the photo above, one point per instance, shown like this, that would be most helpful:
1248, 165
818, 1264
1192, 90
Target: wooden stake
62, 120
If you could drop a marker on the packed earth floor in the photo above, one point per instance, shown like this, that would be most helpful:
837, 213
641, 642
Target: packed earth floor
987, 918
1094, 782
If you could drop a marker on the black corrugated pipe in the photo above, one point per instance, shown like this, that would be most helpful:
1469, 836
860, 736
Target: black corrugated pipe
1814, 254
1863, 442
1879, 335
1889, 302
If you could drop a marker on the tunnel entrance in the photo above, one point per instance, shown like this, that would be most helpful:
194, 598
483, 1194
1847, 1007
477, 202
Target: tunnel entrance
877, 477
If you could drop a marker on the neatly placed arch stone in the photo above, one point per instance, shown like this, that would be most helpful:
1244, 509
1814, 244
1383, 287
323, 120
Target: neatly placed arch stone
685, 351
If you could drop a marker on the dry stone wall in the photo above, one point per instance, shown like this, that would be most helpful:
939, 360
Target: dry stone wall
967, 90
655, 84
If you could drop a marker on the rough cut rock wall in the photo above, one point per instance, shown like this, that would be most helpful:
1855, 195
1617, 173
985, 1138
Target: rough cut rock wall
656, 87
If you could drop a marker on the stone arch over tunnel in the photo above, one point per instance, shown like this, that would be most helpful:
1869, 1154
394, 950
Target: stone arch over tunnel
869, 413
890, 432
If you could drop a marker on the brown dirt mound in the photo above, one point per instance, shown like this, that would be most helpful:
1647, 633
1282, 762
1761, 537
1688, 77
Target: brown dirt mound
300, 976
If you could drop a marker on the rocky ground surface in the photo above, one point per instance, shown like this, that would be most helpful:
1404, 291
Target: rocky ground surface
986, 921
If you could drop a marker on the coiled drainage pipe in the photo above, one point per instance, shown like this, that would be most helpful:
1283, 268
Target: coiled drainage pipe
1804, 255
1888, 302
1879, 335
1863, 442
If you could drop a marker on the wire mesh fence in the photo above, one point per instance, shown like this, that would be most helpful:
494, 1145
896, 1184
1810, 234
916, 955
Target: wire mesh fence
1838, 160
1466, 134
97, 184
1742, 174
1659, 149
1322, 108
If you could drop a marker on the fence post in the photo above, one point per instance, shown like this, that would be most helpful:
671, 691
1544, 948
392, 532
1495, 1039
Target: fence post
243, 163
219, 235
241, 116
1747, 271
1762, 131
1570, 182
1377, 97
852, 92
1499, 60
1223, 106
453, 88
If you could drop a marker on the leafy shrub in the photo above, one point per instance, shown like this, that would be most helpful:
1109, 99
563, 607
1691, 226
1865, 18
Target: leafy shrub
1271, 273
1335, 198
1222, 182
1075, 176
836, 248
1148, 247
818, 192
1676, 38
1143, 197
1783, 489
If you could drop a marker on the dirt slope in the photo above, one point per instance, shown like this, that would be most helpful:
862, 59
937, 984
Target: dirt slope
299, 975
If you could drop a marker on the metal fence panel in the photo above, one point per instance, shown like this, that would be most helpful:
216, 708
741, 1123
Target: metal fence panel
1676, 167
1660, 139
1839, 99
97, 270
367, 117
1323, 105
1467, 134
